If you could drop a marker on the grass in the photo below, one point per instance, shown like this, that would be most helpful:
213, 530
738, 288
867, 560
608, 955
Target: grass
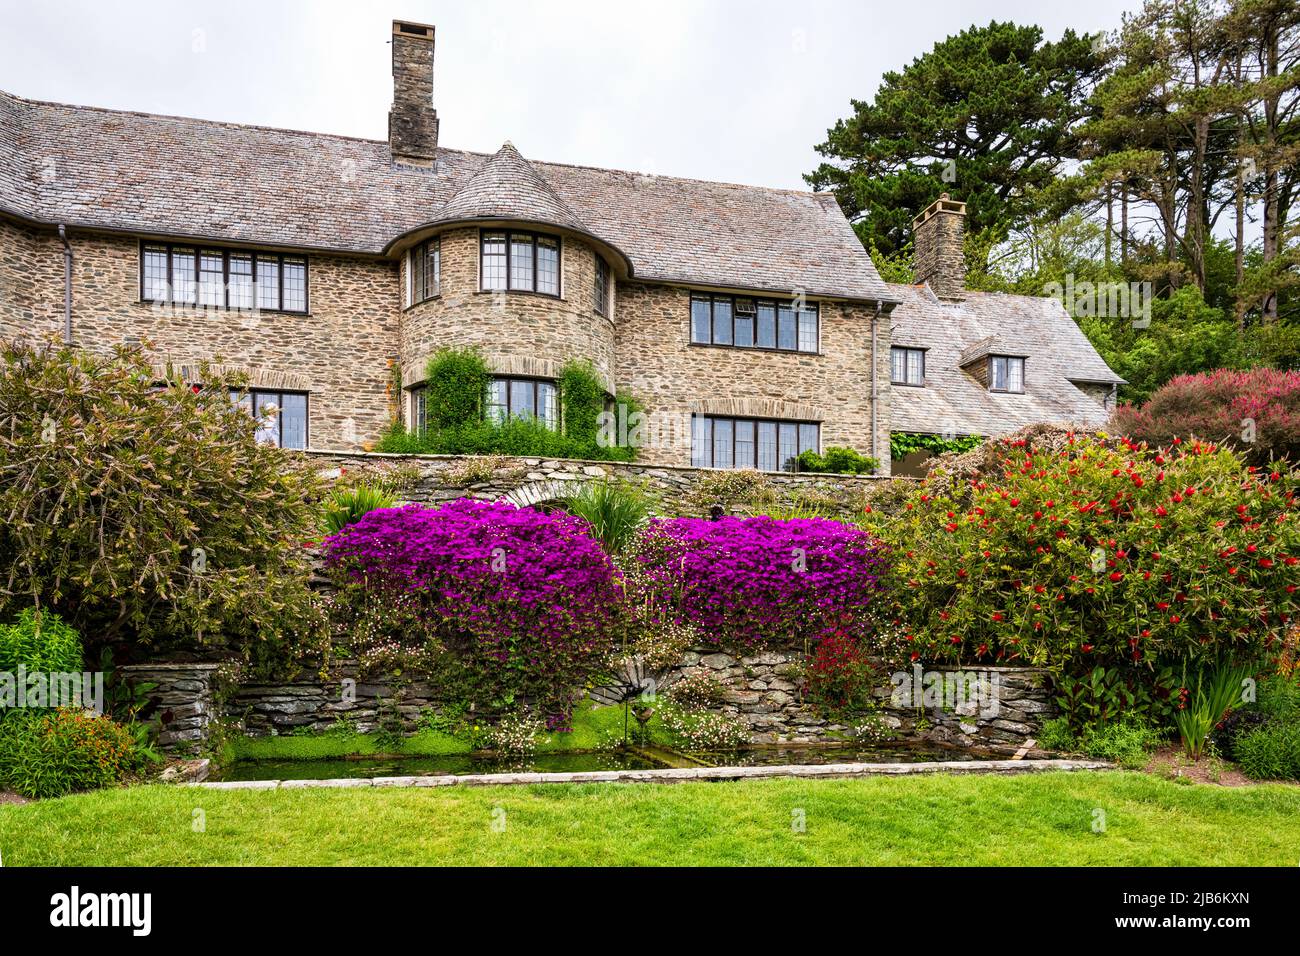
1043, 819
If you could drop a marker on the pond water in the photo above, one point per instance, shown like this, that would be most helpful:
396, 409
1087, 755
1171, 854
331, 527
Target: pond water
577, 762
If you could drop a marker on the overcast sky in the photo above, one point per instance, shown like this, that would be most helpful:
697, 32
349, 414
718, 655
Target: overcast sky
732, 91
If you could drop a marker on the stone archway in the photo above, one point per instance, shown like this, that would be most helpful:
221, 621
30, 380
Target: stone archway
543, 491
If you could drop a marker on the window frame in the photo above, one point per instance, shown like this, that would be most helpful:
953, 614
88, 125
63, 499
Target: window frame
535, 381
906, 349
733, 419
418, 422
198, 250
1007, 358
601, 288
421, 250
534, 238
252, 392
812, 308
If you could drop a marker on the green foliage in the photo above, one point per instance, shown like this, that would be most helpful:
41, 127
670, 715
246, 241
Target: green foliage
837, 460
1217, 691
39, 641
616, 511
1104, 695
902, 444
1127, 741
1271, 752
455, 388
1056, 735
346, 506
149, 515
52, 753
992, 106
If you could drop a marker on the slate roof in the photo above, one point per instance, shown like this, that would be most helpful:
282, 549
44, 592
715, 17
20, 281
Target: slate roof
143, 173
508, 186
952, 401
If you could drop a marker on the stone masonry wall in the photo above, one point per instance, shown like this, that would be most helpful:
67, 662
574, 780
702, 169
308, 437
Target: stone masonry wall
529, 481
763, 690
519, 333
183, 700
339, 353
657, 363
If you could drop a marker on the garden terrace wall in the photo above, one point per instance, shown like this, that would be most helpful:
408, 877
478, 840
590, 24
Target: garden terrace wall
762, 690
530, 481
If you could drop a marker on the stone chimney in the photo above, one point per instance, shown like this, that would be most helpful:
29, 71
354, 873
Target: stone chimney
412, 121
939, 236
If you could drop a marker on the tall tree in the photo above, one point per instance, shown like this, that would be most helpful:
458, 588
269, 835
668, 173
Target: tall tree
986, 116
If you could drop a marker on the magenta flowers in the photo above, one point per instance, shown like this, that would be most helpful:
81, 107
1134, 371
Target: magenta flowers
526, 599
760, 582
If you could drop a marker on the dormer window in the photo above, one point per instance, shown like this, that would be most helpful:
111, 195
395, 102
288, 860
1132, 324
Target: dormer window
907, 366
1006, 373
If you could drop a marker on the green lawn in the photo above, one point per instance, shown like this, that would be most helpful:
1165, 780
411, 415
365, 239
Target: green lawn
1043, 819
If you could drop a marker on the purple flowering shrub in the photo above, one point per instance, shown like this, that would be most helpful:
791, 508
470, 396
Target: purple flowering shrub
760, 582
522, 601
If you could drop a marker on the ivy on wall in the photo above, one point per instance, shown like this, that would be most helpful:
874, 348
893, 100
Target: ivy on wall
902, 444
455, 394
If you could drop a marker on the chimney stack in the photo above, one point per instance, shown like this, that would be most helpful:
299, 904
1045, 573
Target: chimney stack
412, 121
939, 235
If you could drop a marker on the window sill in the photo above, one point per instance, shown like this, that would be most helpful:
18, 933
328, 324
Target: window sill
752, 348
908, 384
537, 295
206, 309
432, 298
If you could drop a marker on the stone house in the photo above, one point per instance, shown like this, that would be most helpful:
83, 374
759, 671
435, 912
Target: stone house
749, 321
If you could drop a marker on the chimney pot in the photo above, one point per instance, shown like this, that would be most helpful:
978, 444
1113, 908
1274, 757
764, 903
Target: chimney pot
412, 120
938, 235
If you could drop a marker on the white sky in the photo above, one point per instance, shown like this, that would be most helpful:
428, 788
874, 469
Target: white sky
732, 91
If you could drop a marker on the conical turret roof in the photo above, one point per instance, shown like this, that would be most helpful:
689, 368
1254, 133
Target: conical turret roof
508, 186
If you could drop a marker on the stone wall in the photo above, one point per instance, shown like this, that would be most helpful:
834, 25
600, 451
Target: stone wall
762, 690
765, 691
183, 700
518, 333
674, 378
529, 481
339, 353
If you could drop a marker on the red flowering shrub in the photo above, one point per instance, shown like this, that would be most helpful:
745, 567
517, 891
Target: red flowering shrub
841, 675
49, 753
1098, 553
524, 601
1256, 412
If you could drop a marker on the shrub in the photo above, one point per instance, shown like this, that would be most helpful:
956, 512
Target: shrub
52, 753
728, 488
145, 514
759, 582
1271, 752
841, 675
1084, 551
39, 641
523, 599
615, 512
346, 506
841, 461
1256, 412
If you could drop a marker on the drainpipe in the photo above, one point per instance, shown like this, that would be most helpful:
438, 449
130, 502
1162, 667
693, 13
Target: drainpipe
67, 286
875, 393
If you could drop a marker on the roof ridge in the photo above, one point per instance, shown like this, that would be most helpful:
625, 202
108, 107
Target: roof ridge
231, 124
